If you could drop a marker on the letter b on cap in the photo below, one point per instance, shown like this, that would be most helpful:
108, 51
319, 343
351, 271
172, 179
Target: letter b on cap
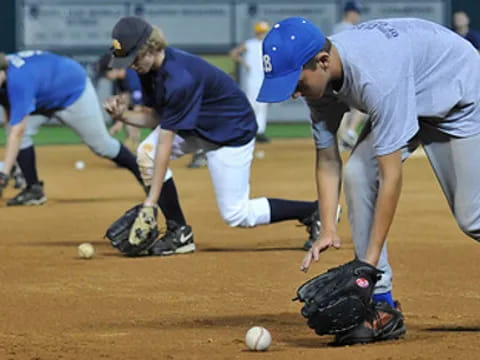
267, 64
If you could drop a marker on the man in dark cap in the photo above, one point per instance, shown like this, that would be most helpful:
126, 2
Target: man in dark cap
193, 106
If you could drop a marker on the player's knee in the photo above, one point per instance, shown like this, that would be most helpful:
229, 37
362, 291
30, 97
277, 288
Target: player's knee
146, 162
104, 150
354, 174
237, 216
470, 225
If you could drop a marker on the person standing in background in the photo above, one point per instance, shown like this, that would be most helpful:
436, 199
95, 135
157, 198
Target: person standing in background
461, 25
353, 120
351, 17
125, 82
249, 56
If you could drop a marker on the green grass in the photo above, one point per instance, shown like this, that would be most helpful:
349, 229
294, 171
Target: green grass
223, 62
60, 135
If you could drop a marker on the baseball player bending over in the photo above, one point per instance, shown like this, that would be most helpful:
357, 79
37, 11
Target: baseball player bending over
193, 105
420, 84
38, 82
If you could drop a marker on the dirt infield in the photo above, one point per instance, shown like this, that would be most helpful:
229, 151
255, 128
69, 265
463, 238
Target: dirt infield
199, 306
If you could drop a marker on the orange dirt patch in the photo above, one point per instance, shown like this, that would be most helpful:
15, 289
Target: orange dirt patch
199, 306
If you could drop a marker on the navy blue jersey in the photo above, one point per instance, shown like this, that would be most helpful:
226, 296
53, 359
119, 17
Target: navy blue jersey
39, 82
193, 96
130, 84
474, 37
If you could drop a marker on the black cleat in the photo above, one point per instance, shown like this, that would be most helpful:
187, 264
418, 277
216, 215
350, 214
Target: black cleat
177, 240
314, 226
31, 195
199, 160
262, 138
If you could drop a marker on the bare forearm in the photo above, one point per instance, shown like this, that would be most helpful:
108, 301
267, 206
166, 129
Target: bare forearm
386, 204
140, 119
161, 161
328, 179
12, 147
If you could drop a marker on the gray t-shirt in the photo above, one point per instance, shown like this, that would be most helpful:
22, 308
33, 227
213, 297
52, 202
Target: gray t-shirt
400, 72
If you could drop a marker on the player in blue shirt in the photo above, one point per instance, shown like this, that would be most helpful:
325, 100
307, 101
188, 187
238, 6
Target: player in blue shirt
38, 82
125, 82
193, 105
420, 84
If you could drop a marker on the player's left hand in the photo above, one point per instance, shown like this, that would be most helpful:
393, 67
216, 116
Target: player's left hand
3, 182
326, 241
144, 226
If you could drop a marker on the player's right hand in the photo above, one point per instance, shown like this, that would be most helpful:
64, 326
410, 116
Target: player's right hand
326, 241
116, 106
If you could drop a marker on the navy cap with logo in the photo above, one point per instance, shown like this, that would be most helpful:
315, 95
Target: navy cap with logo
287, 47
128, 36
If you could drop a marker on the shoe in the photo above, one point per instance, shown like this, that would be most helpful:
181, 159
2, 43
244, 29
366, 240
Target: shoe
19, 180
262, 138
199, 160
31, 195
314, 226
386, 323
177, 240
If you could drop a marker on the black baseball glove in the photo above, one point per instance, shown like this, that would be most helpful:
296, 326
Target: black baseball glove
119, 233
339, 299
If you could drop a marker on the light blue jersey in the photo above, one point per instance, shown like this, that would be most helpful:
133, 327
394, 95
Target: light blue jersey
400, 72
39, 82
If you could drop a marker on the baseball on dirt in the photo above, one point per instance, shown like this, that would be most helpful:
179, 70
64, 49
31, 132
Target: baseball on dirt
258, 339
79, 165
86, 251
260, 154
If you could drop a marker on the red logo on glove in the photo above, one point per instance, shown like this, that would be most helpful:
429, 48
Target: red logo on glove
362, 282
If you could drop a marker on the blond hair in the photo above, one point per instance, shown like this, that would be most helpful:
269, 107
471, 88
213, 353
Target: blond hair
3, 61
156, 42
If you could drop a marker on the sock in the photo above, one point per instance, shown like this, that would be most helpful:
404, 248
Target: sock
126, 159
281, 210
169, 204
384, 297
27, 161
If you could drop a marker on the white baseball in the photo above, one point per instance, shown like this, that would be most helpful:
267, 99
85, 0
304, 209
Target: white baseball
86, 251
79, 165
260, 154
258, 338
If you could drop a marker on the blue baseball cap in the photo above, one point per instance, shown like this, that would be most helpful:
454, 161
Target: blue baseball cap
288, 46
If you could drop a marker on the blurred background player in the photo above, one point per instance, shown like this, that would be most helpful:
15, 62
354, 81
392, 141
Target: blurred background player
193, 105
38, 82
353, 120
351, 17
249, 56
461, 25
126, 83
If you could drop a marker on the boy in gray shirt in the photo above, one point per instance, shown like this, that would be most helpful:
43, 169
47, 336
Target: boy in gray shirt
420, 84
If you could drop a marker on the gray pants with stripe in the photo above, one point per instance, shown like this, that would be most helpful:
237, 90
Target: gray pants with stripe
451, 160
84, 117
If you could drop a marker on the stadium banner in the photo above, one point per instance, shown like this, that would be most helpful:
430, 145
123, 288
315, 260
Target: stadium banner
67, 24
192, 25
434, 10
